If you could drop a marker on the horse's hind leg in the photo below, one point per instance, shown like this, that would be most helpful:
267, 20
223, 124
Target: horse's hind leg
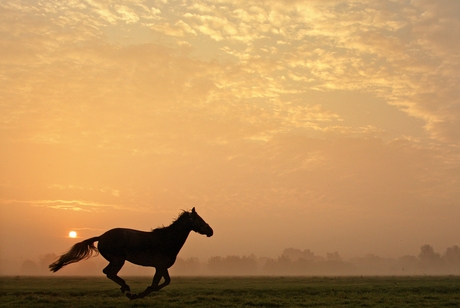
111, 271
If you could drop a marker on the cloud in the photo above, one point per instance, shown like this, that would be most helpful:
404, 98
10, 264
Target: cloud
127, 14
369, 46
330, 48
179, 29
71, 205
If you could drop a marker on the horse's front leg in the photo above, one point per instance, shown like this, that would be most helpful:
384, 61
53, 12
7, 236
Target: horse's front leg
160, 273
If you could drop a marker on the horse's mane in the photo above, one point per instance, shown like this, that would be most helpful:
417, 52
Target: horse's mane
181, 216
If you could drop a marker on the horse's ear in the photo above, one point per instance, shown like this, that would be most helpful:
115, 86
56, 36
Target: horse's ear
193, 210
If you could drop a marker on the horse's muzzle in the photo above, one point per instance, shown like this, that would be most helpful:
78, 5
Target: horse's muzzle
209, 232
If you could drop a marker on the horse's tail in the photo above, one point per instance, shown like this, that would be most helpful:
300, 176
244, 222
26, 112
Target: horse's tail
78, 252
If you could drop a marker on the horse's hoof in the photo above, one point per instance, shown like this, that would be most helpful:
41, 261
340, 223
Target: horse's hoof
131, 296
125, 289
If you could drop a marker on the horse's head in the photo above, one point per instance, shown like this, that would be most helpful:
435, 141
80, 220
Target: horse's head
199, 225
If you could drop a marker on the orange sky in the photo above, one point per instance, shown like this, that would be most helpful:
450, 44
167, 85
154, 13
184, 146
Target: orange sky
328, 125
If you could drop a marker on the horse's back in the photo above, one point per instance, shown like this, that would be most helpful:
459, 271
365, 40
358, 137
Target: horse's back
117, 241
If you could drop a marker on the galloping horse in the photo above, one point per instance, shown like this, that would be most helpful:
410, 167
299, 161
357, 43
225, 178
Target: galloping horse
158, 248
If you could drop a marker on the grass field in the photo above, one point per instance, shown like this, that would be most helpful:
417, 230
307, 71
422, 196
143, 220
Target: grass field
234, 292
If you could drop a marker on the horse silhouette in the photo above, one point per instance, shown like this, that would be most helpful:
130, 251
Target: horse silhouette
158, 249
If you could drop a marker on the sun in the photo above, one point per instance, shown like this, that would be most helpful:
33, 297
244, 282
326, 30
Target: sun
73, 234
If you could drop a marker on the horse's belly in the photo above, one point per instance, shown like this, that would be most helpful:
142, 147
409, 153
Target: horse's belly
154, 260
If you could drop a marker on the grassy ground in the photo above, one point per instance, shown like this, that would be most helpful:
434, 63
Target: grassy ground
234, 292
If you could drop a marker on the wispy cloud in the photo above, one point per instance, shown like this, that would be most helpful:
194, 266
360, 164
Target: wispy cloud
389, 50
71, 205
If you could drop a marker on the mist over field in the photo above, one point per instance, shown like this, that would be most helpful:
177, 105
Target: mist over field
295, 262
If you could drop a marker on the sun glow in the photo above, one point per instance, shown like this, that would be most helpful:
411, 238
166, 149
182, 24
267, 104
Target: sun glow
72, 234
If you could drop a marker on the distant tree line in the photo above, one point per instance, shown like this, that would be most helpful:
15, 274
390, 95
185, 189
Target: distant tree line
304, 262
292, 261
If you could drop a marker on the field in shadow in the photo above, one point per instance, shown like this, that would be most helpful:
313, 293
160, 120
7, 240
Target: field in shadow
418, 291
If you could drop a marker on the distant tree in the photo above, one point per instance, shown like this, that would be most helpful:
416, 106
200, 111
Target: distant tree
334, 256
281, 266
233, 265
452, 259
427, 254
87, 268
189, 266
295, 254
372, 264
45, 261
29, 267
297, 262
429, 259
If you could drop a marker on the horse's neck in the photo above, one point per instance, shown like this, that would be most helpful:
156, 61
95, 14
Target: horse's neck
179, 235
